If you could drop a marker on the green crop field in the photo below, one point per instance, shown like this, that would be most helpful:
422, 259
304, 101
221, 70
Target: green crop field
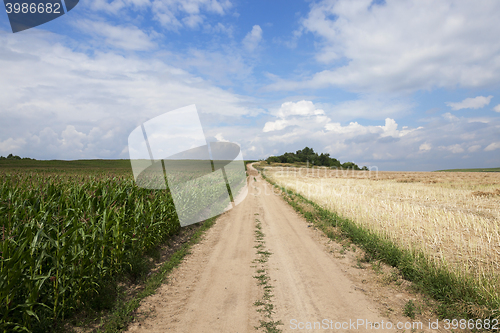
67, 229
472, 170
97, 165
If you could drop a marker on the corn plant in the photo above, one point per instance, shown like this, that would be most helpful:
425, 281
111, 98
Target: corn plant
63, 235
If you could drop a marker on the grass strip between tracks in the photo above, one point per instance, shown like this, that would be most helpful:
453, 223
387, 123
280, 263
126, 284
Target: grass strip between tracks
265, 305
458, 296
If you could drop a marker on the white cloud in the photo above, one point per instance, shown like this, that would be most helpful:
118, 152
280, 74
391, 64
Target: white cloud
368, 107
439, 144
497, 108
219, 28
73, 139
352, 128
483, 120
171, 14
455, 149
471, 103
223, 67
403, 46
492, 146
474, 148
301, 108
116, 6
175, 14
275, 125
302, 113
390, 129
253, 38
468, 136
450, 117
425, 147
11, 145
123, 37
73, 105
305, 117
220, 138
193, 21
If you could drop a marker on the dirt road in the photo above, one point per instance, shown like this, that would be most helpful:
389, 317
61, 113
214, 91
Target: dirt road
214, 289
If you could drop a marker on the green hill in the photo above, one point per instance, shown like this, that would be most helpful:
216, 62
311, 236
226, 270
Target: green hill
471, 170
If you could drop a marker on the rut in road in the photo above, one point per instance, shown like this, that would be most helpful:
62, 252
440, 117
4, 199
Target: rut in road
214, 289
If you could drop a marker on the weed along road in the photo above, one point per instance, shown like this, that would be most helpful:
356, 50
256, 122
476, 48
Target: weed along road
261, 265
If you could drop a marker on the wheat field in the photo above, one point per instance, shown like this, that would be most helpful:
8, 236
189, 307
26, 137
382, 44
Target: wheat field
453, 217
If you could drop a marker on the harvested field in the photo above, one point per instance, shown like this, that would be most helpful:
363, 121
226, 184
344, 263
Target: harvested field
452, 217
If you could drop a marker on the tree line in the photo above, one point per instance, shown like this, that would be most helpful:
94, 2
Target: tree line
308, 155
15, 157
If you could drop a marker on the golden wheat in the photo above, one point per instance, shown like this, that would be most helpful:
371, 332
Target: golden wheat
453, 217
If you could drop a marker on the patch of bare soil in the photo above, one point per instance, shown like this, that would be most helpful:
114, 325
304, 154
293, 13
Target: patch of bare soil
486, 193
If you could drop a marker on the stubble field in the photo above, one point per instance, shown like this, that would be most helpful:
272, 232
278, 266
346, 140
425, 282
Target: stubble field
453, 218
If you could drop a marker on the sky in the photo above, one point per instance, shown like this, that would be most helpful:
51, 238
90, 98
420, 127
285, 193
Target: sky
410, 85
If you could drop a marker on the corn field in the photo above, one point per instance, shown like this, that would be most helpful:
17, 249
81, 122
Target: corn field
65, 233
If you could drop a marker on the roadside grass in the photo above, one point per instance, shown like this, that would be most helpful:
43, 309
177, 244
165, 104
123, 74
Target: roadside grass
459, 296
410, 310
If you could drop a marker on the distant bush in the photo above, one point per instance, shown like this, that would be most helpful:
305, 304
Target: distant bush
308, 155
15, 157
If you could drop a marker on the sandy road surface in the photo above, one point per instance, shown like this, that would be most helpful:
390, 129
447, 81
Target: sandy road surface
213, 290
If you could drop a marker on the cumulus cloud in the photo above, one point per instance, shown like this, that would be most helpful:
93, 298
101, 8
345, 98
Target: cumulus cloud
253, 38
497, 108
171, 14
492, 146
220, 138
403, 46
425, 147
302, 113
301, 108
450, 117
471, 103
73, 105
219, 28
305, 113
473, 149
222, 67
455, 149
390, 129
123, 37
72, 139
175, 14
116, 6
11, 144
373, 107
275, 125
441, 143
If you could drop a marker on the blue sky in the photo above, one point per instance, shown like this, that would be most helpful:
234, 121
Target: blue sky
401, 85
